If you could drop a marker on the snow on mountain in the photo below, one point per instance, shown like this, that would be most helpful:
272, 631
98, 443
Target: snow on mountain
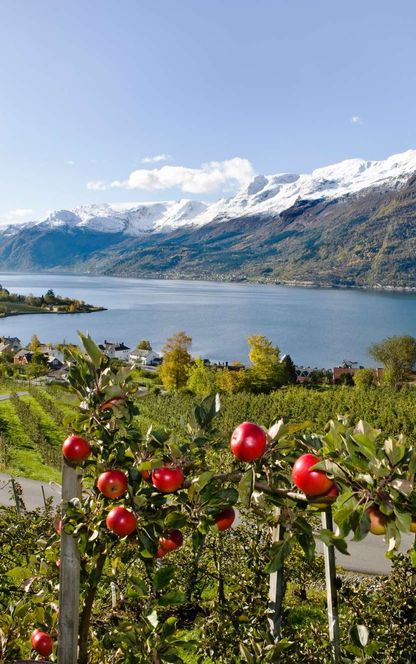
264, 195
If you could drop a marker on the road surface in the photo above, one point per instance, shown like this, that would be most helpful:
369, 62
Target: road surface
4, 397
366, 556
32, 491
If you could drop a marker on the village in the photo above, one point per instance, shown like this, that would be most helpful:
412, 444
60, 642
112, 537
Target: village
49, 359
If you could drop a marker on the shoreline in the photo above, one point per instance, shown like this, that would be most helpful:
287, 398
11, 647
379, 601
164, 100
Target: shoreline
57, 313
306, 283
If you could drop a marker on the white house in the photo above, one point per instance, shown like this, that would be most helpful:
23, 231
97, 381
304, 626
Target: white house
115, 349
12, 344
142, 357
52, 353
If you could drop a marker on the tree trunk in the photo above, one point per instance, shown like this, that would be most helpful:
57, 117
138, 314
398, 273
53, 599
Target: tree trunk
85, 619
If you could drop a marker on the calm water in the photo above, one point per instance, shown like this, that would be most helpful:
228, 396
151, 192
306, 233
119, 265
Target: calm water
318, 327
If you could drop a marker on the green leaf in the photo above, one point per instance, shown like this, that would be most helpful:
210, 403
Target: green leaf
330, 467
153, 619
360, 523
403, 486
204, 479
359, 635
172, 597
175, 520
169, 626
246, 486
329, 539
403, 520
163, 576
246, 654
308, 545
94, 535
138, 587
280, 550
395, 451
92, 349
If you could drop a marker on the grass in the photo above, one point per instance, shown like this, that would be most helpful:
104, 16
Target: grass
24, 457
16, 308
25, 460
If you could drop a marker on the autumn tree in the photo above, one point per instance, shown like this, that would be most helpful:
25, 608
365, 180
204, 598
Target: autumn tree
177, 360
398, 354
34, 343
201, 379
232, 381
365, 378
144, 344
266, 372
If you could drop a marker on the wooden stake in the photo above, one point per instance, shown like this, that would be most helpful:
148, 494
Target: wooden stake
113, 595
16, 497
276, 587
44, 497
69, 576
331, 590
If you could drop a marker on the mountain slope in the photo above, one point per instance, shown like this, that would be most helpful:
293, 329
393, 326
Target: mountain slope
367, 240
352, 223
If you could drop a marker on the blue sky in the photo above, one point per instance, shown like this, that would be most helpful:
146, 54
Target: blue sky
91, 91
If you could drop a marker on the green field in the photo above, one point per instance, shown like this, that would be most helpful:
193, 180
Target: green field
32, 430
17, 308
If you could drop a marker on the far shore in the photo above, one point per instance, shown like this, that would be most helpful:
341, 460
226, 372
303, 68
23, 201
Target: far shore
57, 313
221, 279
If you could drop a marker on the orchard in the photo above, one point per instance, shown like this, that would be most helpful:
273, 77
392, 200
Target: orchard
141, 515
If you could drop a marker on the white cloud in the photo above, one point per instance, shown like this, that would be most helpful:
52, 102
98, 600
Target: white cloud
19, 215
97, 185
70, 162
157, 158
207, 178
356, 119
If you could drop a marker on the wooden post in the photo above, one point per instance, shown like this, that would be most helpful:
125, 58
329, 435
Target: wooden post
113, 595
44, 497
331, 590
276, 587
16, 497
69, 576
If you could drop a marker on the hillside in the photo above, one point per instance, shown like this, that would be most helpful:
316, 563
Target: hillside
352, 224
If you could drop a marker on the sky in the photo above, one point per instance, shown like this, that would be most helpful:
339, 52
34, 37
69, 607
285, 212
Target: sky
142, 100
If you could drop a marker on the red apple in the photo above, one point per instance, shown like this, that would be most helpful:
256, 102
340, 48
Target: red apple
332, 493
225, 519
76, 449
34, 633
112, 483
311, 482
146, 475
121, 521
167, 479
42, 643
170, 542
378, 520
248, 442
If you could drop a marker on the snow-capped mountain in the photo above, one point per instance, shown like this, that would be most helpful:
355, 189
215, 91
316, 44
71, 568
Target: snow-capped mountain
265, 195
352, 223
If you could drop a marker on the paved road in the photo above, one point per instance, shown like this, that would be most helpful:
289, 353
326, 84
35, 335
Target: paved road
4, 397
366, 556
32, 491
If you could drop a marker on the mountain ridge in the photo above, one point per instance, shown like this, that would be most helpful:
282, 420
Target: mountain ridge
349, 224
